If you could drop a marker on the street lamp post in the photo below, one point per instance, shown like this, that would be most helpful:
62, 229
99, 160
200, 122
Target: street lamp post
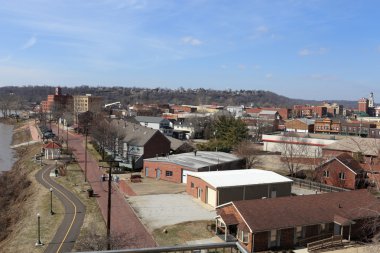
51, 201
39, 243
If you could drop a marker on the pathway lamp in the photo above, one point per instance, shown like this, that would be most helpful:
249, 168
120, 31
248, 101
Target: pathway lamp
51, 201
39, 243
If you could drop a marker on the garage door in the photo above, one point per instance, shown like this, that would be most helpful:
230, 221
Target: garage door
184, 176
211, 197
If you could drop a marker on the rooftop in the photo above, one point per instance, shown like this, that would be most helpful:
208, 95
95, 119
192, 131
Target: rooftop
367, 146
230, 178
149, 119
285, 212
200, 160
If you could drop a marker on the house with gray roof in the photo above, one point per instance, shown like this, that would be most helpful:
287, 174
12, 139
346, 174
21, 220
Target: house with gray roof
158, 123
140, 143
175, 168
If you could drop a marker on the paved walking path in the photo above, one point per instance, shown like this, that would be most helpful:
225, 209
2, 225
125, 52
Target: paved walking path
69, 229
123, 219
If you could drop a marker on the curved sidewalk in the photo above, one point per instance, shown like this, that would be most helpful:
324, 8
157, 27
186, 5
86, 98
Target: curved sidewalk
69, 229
123, 219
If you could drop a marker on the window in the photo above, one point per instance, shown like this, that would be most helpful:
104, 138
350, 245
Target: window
298, 232
342, 175
192, 185
326, 173
244, 237
169, 173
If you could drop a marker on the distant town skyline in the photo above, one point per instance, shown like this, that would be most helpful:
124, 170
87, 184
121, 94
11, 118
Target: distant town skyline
320, 50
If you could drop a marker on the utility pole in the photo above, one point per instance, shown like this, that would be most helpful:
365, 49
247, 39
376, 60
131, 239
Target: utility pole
109, 200
85, 157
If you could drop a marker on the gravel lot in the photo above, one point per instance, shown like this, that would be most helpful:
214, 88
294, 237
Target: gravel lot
157, 211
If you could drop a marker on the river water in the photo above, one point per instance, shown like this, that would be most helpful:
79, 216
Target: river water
6, 153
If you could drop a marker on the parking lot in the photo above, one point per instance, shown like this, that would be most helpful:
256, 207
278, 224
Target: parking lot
160, 210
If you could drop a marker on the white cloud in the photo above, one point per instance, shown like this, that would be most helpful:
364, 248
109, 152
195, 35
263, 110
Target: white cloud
269, 75
30, 43
256, 66
5, 59
224, 66
324, 77
132, 4
191, 41
307, 51
304, 52
262, 29
241, 66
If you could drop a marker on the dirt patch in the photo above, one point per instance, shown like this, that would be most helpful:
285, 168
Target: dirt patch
21, 133
183, 232
26, 198
150, 186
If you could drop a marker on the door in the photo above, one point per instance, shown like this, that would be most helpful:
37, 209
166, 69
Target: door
158, 174
184, 176
211, 197
200, 193
273, 194
337, 229
146, 171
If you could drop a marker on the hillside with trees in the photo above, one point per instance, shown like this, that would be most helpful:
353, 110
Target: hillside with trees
133, 95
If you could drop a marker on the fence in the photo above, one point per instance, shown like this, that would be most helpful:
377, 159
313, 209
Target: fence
227, 247
316, 185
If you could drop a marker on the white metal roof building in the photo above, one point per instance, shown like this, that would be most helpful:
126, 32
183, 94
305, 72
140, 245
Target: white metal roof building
219, 187
176, 167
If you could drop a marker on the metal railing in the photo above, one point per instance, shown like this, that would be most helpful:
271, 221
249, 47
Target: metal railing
335, 240
316, 185
226, 247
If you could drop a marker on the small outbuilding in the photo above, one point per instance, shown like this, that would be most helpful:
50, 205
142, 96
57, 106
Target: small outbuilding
52, 150
219, 187
175, 168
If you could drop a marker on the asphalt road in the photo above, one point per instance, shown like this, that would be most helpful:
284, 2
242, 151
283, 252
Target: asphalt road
69, 229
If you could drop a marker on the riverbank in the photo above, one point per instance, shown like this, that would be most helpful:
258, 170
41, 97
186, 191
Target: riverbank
22, 197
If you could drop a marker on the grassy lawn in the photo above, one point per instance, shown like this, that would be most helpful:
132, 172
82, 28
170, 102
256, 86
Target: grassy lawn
183, 232
74, 180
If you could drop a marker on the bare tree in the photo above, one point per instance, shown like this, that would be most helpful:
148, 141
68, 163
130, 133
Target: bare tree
249, 153
95, 241
292, 153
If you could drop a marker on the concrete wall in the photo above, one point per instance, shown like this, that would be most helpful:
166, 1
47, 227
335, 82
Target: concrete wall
228, 194
302, 147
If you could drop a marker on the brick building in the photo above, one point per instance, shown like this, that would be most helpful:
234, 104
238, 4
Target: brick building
56, 101
175, 168
327, 125
140, 143
309, 111
219, 187
342, 171
300, 125
283, 223
363, 149
285, 113
363, 105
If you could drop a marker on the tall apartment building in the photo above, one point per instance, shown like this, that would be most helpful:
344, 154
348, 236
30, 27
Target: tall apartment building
363, 105
56, 101
87, 103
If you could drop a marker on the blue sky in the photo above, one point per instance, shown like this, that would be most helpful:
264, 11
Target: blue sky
328, 49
